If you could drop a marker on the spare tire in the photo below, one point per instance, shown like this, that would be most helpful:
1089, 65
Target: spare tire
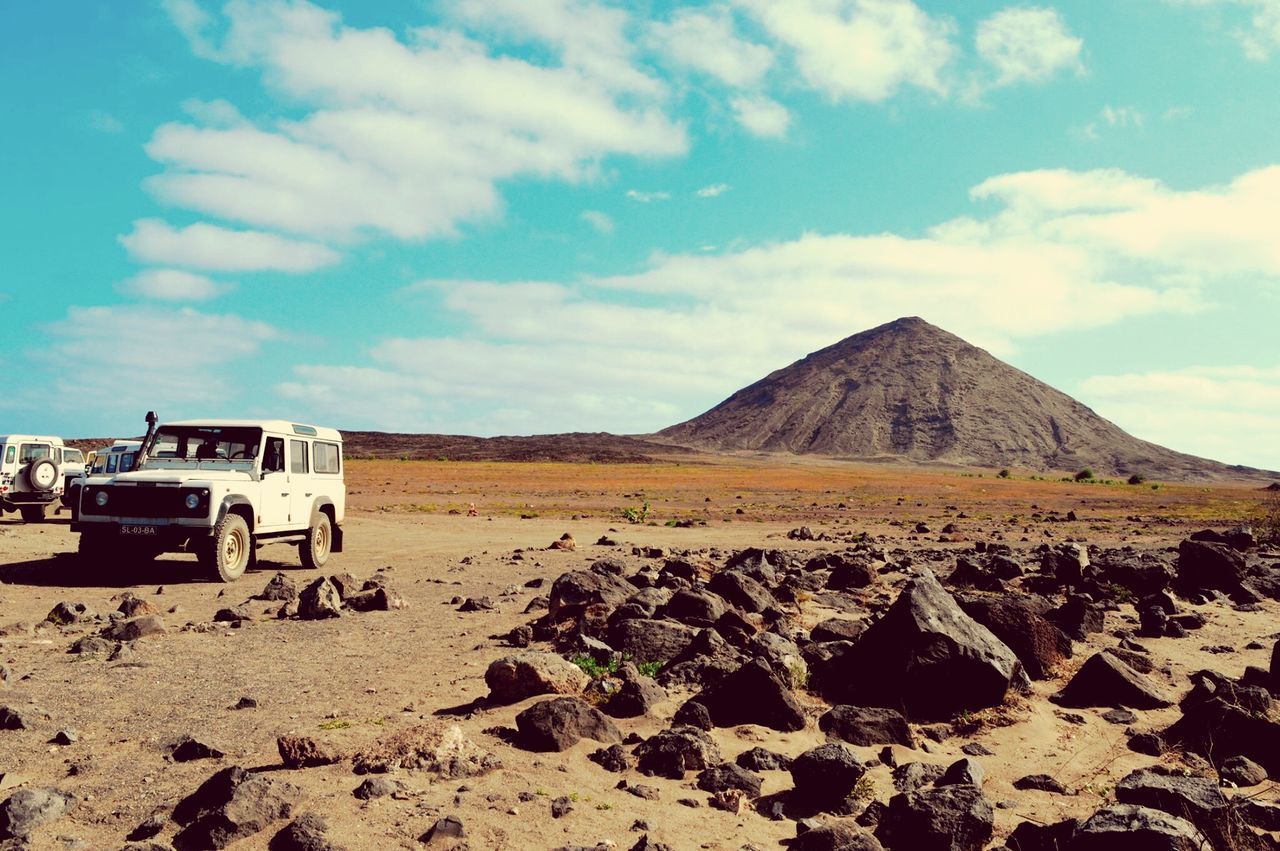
42, 475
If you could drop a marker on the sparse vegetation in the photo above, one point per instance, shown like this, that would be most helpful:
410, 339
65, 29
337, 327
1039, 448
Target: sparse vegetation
1137, 479
649, 669
592, 668
636, 515
1084, 475
1266, 524
335, 724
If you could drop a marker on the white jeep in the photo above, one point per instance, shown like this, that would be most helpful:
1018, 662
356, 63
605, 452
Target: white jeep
220, 489
30, 474
109, 460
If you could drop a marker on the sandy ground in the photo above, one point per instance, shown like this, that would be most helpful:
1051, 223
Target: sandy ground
367, 675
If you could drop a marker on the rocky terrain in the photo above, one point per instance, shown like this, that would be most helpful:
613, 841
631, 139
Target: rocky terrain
912, 392
953, 673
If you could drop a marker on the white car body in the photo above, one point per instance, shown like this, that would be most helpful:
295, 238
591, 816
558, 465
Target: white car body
197, 481
30, 474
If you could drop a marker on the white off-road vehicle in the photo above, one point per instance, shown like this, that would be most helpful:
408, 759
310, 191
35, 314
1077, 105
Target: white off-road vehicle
116, 458
73, 467
220, 489
30, 474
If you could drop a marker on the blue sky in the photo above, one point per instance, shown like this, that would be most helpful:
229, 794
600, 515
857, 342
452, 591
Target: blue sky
522, 216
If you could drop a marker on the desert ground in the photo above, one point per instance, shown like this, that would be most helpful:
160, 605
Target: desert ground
357, 682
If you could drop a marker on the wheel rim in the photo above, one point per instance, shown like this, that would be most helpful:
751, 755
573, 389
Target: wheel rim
233, 549
321, 548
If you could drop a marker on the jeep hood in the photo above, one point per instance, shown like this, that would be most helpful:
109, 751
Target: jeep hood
179, 477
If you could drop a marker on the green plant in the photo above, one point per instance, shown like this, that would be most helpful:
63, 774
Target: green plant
593, 668
1084, 475
649, 669
1137, 479
865, 788
799, 674
636, 515
335, 724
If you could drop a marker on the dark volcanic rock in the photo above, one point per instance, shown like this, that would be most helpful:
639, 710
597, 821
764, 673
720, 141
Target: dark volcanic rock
1104, 680
1125, 827
946, 818
29, 808
1078, 617
558, 724
824, 777
637, 696
838, 629
867, 725
752, 695
836, 836
1196, 799
925, 655
760, 759
704, 660
319, 600
741, 591
672, 752
727, 775
646, 640
698, 608
231, 805
1206, 566
308, 832
1039, 644
572, 593
511, 679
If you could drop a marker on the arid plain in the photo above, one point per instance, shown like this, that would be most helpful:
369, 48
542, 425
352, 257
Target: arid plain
364, 681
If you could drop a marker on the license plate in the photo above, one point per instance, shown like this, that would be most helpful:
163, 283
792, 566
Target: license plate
139, 530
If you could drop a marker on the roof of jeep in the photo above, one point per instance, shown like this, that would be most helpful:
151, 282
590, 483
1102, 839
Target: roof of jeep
274, 426
30, 438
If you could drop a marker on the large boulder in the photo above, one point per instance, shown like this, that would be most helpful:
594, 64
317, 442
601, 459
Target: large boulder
753, 694
513, 678
705, 660
1196, 799
231, 805
742, 591
319, 600
672, 752
945, 818
27, 809
646, 640
1222, 718
1126, 827
824, 778
573, 593
867, 726
637, 695
694, 607
1040, 645
560, 723
926, 656
1205, 566
1105, 680
836, 836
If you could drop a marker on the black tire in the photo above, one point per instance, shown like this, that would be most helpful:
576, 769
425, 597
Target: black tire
92, 547
226, 555
33, 513
72, 501
43, 475
314, 551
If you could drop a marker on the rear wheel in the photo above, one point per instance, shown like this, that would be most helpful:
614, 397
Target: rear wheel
314, 551
33, 513
227, 552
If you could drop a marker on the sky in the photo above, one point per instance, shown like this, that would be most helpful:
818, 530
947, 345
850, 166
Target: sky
530, 216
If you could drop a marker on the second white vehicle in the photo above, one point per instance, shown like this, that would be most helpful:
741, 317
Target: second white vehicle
220, 489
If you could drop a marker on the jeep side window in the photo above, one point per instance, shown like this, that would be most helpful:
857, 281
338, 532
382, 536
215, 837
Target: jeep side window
326, 457
126, 462
111, 463
8, 455
273, 457
297, 456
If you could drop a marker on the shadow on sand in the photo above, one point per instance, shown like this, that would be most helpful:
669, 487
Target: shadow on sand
71, 571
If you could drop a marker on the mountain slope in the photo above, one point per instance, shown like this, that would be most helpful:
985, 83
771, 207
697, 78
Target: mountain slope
909, 390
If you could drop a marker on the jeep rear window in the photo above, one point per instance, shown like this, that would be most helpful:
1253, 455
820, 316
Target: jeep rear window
206, 443
326, 457
32, 451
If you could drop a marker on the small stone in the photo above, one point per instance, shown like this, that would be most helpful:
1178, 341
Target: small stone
189, 748
444, 830
1041, 783
1119, 716
561, 807
1242, 771
377, 787
65, 737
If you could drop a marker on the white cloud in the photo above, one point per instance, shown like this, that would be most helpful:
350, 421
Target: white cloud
407, 137
706, 41
214, 113
1231, 413
642, 197
206, 246
863, 50
105, 122
599, 221
1060, 251
762, 116
172, 285
1259, 30
1027, 44
713, 191
162, 356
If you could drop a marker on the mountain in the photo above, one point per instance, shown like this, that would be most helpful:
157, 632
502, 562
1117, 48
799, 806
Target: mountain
911, 391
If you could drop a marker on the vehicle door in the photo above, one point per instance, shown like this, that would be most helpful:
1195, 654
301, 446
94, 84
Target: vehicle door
277, 491
300, 476
28, 454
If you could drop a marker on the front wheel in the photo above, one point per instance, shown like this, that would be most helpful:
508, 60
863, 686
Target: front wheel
226, 554
314, 551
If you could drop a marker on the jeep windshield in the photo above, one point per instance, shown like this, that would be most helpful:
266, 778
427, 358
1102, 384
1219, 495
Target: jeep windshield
205, 447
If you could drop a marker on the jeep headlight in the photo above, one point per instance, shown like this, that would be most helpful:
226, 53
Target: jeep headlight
101, 498
192, 501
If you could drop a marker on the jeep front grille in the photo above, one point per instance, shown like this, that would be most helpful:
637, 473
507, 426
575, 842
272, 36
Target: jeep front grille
144, 501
